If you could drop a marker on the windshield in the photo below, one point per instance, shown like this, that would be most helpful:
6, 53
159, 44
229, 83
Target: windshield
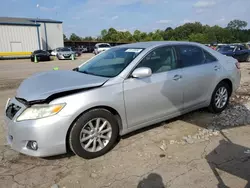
64, 50
111, 62
227, 49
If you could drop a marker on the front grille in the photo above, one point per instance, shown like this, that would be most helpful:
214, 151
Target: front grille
11, 110
66, 55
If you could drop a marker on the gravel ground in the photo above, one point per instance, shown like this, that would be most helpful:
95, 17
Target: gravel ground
198, 149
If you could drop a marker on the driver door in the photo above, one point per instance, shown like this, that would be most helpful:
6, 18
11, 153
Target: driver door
158, 96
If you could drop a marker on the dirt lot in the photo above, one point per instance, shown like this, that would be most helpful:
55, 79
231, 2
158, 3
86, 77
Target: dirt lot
196, 150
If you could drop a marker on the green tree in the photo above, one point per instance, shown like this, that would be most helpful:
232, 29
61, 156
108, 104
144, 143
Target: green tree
104, 32
74, 37
198, 37
237, 24
168, 29
65, 38
137, 35
189, 31
89, 38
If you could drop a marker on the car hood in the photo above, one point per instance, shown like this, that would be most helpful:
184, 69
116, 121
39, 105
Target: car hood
42, 85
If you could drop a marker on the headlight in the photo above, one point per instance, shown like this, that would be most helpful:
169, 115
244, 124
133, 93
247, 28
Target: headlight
40, 111
7, 103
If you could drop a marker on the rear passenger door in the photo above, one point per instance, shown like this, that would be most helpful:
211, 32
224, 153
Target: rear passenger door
200, 70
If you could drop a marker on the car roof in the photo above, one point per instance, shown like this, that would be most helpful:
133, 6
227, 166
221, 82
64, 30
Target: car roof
101, 44
154, 44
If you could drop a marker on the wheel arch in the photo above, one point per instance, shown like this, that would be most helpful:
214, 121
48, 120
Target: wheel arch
110, 109
229, 83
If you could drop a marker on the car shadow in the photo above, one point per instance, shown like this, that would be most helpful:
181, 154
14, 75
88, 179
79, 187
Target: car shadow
231, 158
68, 155
228, 157
153, 180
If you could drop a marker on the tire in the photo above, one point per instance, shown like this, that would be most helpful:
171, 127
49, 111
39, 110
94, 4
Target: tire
213, 107
82, 123
248, 59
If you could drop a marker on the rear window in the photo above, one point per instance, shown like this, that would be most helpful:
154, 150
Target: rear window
38, 51
191, 55
64, 49
209, 57
103, 46
227, 48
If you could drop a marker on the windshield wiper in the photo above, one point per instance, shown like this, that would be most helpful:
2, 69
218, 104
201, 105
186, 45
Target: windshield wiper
76, 69
86, 72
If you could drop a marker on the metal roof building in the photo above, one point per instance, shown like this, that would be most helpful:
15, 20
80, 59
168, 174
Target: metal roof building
24, 35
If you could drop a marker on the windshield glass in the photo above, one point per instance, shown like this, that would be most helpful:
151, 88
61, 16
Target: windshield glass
111, 62
64, 50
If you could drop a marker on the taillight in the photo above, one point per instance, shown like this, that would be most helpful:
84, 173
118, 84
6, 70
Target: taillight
237, 65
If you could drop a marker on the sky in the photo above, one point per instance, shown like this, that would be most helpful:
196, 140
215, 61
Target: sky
89, 17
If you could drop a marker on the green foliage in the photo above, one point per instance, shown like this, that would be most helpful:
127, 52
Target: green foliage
74, 37
188, 32
237, 24
65, 38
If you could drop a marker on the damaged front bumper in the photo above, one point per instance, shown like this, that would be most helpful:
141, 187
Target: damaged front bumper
49, 133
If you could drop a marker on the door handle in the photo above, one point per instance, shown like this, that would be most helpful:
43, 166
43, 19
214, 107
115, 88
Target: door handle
216, 67
177, 77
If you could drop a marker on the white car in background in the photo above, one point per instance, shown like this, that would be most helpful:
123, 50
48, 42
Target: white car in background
101, 47
55, 51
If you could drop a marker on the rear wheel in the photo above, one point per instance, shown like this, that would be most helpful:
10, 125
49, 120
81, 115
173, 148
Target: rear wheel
220, 98
93, 134
248, 59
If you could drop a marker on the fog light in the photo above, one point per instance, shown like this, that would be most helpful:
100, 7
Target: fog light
32, 145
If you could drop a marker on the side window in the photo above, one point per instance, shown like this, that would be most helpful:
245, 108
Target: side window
160, 60
242, 48
209, 57
191, 55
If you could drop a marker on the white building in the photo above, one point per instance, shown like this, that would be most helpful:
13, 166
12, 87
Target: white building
27, 34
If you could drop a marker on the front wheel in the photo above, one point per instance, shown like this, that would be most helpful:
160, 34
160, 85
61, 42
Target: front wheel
220, 98
93, 134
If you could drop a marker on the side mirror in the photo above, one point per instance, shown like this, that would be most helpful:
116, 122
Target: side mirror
75, 69
142, 72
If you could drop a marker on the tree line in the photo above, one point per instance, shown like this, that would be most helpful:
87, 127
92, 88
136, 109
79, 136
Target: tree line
235, 32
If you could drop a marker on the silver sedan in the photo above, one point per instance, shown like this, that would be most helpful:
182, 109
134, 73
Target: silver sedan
123, 89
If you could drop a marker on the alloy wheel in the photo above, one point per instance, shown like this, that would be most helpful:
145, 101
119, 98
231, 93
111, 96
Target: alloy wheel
221, 97
95, 134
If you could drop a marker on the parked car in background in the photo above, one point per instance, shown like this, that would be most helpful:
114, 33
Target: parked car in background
218, 46
123, 89
77, 51
101, 47
84, 49
65, 53
41, 55
55, 51
248, 45
239, 52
